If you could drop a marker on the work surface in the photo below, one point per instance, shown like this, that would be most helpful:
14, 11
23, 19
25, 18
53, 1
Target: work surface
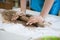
33, 32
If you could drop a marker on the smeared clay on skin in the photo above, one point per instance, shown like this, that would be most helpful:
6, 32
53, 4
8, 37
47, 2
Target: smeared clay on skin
8, 14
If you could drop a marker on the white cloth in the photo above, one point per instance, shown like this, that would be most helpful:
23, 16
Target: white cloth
34, 32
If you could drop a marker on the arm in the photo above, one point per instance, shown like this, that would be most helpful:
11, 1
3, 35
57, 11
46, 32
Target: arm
40, 19
23, 10
23, 6
46, 8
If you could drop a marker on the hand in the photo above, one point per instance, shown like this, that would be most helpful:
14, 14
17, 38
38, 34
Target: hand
35, 19
21, 13
15, 16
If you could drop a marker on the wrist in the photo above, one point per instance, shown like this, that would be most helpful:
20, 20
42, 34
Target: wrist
41, 19
23, 11
20, 12
44, 15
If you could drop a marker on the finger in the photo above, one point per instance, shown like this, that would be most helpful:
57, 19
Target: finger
31, 22
22, 14
28, 23
14, 18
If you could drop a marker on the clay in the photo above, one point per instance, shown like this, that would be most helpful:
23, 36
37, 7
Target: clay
26, 18
8, 14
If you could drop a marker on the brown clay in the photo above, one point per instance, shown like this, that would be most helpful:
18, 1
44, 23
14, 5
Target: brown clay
8, 14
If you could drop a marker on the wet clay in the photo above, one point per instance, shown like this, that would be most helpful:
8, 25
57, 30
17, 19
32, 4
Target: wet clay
8, 14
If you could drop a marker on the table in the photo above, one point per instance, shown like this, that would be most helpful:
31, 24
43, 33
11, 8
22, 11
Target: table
13, 31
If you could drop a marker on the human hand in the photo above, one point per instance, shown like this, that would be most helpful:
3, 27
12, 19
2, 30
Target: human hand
35, 19
15, 16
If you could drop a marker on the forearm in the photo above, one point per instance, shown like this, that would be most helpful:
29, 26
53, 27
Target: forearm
46, 8
23, 5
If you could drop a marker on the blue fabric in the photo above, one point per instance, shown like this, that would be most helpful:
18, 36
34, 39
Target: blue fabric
37, 5
55, 8
59, 3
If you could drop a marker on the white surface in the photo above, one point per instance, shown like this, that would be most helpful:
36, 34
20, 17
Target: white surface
36, 32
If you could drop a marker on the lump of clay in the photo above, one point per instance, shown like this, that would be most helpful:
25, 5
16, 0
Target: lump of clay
8, 14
